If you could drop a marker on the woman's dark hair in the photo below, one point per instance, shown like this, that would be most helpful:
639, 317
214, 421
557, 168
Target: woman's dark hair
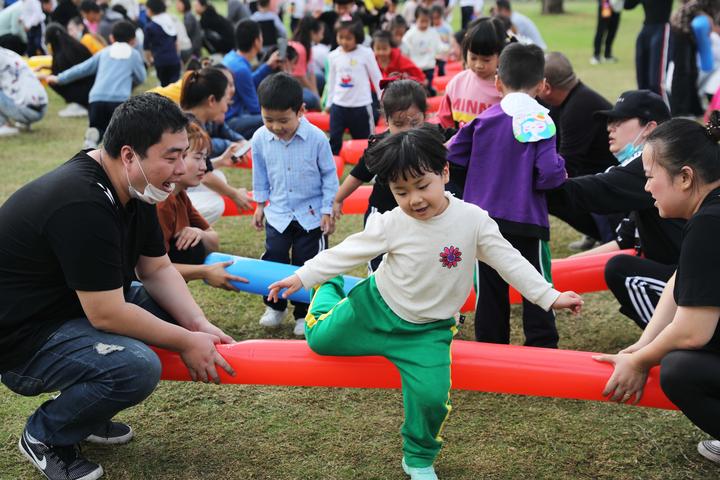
383, 36
401, 95
304, 31
186, 6
408, 154
200, 85
67, 51
157, 6
140, 123
680, 142
280, 92
206, 4
487, 37
353, 26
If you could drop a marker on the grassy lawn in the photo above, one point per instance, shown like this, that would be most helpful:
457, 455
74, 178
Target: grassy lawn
189, 431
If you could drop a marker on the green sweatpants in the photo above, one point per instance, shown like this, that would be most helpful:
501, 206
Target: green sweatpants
363, 324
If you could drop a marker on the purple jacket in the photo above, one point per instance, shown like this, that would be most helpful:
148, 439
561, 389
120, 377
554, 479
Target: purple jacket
505, 177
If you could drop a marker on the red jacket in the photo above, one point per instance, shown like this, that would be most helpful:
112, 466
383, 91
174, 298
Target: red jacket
399, 63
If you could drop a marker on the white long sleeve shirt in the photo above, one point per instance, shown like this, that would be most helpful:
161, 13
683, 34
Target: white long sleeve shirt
428, 270
350, 75
423, 46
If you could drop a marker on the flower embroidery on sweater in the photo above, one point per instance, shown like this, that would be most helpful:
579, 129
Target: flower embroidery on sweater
450, 256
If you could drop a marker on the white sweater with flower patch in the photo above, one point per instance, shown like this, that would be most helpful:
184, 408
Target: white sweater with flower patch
428, 269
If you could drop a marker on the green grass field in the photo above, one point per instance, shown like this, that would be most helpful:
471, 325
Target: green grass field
190, 431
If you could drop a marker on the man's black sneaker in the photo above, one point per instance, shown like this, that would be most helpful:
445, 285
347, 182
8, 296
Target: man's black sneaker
112, 433
58, 463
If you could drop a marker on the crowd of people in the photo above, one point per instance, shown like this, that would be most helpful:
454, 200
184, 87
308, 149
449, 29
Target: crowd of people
465, 191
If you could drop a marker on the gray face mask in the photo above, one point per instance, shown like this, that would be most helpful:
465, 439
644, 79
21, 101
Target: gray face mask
151, 194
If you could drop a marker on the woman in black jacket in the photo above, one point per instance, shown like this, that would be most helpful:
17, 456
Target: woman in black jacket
68, 52
218, 31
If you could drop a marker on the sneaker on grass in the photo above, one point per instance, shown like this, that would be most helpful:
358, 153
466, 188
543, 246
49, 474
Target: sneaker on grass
112, 433
299, 330
272, 318
710, 449
92, 138
424, 473
73, 110
58, 463
7, 130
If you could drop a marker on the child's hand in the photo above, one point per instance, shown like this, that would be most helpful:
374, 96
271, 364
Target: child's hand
51, 79
291, 283
337, 210
569, 300
258, 219
327, 224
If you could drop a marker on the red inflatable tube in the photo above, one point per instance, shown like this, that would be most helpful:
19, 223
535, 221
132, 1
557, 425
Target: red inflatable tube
453, 68
355, 204
512, 369
352, 150
246, 162
439, 83
580, 274
319, 119
433, 104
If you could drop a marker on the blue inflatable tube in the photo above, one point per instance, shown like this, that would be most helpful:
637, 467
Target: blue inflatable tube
261, 274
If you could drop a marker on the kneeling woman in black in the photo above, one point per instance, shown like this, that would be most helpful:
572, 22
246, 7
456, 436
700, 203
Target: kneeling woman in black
681, 160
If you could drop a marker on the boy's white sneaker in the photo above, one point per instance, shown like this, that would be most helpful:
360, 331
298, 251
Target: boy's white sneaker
424, 473
299, 330
73, 110
92, 138
7, 130
272, 318
710, 449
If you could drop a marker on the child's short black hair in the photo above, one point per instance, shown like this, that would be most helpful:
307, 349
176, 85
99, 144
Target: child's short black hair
123, 31
353, 26
486, 37
156, 6
280, 92
263, 3
437, 9
521, 66
408, 154
246, 32
421, 11
89, 6
401, 95
383, 36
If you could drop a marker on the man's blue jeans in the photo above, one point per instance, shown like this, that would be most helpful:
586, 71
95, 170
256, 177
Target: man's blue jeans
9, 110
97, 373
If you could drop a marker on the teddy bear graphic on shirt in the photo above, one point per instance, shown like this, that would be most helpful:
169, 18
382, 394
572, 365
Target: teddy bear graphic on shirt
346, 79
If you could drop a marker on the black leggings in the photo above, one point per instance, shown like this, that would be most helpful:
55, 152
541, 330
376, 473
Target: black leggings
605, 26
492, 314
637, 284
690, 380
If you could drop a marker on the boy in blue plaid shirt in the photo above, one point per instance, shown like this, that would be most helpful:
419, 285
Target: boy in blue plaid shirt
293, 168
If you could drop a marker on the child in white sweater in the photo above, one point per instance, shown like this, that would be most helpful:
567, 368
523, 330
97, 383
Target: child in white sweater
405, 311
423, 44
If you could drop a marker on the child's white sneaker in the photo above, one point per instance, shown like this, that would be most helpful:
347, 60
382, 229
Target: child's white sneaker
424, 473
7, 130
73, 110
299, 330
710, 449
272, 318
92, 138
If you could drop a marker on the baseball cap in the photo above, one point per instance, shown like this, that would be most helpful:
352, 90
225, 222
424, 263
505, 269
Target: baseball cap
643, 104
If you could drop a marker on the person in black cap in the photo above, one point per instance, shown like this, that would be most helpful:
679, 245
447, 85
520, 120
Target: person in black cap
636, 282
582, 138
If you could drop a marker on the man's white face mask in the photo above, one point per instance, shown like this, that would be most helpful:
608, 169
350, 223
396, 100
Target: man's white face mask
151, 194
